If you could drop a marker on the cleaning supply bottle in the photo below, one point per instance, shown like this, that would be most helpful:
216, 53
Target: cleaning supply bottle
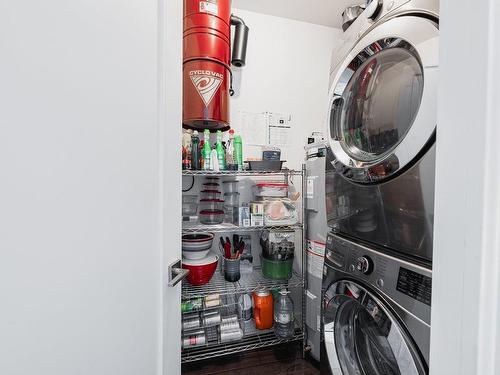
221, 155
186, 149
283, 315
230, 163
238, 152
195, 151
207, 151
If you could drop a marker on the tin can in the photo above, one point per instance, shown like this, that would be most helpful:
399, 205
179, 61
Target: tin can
192, 304
230, 326
191, 323
230, 318
226, 336
245, 307
212, 318
194, 340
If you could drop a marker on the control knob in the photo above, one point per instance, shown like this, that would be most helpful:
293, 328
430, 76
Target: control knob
364, 265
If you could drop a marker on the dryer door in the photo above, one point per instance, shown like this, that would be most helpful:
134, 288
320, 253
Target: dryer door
362, 336
383, 100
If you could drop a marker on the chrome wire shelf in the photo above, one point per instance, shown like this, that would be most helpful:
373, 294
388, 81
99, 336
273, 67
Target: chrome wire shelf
227, 227
251, 341
247, 284
289, 172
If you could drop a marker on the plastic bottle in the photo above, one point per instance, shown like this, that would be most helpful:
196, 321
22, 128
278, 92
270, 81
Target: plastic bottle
238, 152
221, 155
186, 149
195, 151
283, 315
207, 150
230, 163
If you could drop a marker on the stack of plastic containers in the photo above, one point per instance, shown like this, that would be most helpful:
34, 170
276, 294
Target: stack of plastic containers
231, 201
211, 203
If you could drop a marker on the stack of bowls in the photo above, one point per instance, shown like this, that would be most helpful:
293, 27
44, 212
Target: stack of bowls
197, 258
196, 245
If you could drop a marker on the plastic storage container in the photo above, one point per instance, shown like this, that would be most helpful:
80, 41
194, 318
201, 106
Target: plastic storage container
232, 199
265, 165
210, 217
210, 194
263, 309
230, 186
271, 189
277, 269
211, 205
189, 205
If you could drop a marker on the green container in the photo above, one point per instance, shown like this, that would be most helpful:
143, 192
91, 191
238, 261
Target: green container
277, 269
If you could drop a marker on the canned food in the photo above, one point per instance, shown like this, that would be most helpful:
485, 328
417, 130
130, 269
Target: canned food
194, 340
226, 336
229, 326
230, 318
211, 318
192, 304
191, 322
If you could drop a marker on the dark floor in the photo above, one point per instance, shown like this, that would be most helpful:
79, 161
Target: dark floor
283, 359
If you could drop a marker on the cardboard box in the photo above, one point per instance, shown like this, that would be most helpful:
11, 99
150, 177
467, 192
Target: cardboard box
257, 208
257, 220
244, 216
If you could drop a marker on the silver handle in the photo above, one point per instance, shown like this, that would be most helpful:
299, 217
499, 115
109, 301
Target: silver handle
176, 273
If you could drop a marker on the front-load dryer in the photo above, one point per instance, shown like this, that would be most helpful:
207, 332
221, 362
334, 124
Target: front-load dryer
382, 124
376, 312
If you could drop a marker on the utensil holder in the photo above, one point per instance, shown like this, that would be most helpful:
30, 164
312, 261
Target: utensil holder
232, 269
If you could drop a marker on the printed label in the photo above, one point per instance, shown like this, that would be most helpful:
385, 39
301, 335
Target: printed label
284, 318
206, 7
206, 83
310, 187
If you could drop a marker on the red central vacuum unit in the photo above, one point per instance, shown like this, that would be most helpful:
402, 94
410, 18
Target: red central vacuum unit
207, 76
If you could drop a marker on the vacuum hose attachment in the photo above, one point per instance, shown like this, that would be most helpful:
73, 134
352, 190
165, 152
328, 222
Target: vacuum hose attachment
238, 58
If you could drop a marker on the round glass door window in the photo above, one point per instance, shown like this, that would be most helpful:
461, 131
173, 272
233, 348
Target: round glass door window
380, 103
383, 111
367, 339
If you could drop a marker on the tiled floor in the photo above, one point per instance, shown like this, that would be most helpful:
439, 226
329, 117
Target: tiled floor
282, 360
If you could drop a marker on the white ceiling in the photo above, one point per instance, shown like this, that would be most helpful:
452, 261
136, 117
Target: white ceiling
321, 12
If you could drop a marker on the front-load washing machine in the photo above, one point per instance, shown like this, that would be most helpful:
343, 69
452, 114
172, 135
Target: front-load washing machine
376, 312
382, 123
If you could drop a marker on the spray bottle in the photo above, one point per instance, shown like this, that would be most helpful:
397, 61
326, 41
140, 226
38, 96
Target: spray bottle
207, 150
221, 157
238, 152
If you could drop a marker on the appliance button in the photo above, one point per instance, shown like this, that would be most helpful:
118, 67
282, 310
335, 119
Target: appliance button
352, 268
380, 283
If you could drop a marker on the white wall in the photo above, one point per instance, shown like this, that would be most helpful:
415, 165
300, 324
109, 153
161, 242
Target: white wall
80, 252
287, 72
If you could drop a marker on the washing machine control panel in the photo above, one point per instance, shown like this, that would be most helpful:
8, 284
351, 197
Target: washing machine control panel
405, 283
364, 264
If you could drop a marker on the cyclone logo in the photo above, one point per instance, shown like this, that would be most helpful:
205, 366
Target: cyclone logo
206, 86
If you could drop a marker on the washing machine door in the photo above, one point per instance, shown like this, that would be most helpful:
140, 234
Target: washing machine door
362, 336
383, 100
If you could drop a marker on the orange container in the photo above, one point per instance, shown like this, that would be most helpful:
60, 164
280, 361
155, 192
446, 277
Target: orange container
263, 312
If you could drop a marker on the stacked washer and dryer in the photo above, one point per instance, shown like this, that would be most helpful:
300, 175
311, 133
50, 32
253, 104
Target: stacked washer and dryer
379, 186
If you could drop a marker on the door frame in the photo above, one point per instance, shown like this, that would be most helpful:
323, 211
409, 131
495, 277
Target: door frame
465, 335
169, 144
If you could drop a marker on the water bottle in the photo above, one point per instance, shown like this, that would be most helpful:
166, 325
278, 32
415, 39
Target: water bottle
283, 315
195, 152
